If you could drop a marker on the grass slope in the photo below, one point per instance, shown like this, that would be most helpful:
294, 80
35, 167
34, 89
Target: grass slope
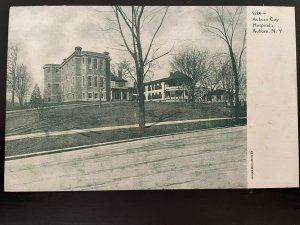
110, 114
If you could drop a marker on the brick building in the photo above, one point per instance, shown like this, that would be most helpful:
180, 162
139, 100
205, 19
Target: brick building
83, 76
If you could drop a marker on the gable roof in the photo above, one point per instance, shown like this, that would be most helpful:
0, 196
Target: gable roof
178, 76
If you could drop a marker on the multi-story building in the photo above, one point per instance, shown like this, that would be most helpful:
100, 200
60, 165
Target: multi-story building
52, 83
83, 76
173, 88
119, 87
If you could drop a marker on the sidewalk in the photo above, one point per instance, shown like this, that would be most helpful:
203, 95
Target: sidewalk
97, 129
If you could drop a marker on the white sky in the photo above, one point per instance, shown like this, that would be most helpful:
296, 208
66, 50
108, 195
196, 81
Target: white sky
48, 34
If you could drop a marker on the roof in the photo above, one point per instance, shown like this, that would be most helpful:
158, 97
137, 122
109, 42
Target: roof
78, 52
176, 76
92, 53
116, 78
51, 65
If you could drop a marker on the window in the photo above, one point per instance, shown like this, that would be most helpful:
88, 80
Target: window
159, 95
56, 70
48, 70
100, 64
83, 95
83, 81
96, 95
158, 86
121, 84
95, 81
73, 96
49, 85
90, 81
95, 65
101, 81
82, 60
49, 99
178, 93
168, 94
90, 62
90, 95
73, 81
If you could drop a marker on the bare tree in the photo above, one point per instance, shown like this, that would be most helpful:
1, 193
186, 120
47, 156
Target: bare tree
12, 58
23, 83
223, 23
129, 23
227, 78
127, 68
214, 72
193, 63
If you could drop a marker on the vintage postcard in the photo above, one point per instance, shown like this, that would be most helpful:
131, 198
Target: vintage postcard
140, 97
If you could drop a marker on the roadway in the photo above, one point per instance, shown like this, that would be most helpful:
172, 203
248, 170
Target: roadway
202, 159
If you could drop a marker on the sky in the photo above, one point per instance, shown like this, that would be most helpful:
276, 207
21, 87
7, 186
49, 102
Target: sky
48, 34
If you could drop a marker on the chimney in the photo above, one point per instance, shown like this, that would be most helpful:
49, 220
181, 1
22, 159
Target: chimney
120, 73
78, 49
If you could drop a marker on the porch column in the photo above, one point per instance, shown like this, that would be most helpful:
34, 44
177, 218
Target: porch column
121, 95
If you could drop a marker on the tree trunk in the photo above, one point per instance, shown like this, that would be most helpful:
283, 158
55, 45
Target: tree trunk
193, 98
236, 84
21, 100
13, 89
140, 88
13, 97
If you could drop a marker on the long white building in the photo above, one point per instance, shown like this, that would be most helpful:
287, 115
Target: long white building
171, 89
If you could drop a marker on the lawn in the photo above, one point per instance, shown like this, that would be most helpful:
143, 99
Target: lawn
110, 114
40, 144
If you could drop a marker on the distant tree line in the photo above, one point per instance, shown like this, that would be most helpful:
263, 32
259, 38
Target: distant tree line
19, 80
